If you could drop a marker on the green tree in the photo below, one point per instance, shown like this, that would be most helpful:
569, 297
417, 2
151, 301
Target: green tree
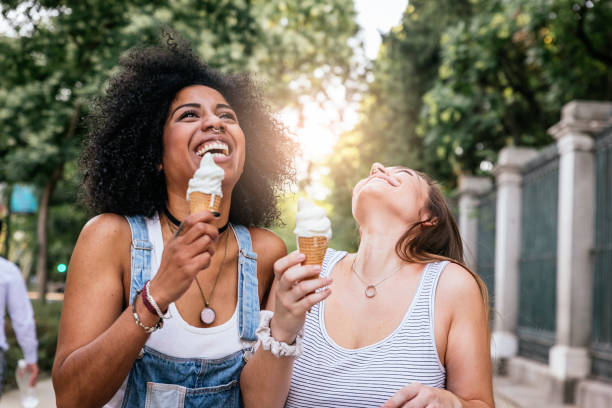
306, 48
62, 53
51, 67
506, 73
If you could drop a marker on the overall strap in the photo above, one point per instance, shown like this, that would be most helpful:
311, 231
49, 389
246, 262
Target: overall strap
248, 295
141, 249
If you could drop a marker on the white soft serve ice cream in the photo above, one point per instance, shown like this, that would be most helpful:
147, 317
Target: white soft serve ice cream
207, 179
311, 221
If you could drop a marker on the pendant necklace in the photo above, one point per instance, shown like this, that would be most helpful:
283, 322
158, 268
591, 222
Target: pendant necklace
208, 314
370, 288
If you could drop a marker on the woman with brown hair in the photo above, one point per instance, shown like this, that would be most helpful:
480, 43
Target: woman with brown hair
403, 322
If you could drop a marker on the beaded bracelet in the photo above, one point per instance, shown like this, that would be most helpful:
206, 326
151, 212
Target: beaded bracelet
277, 348
147, 329
145, 301
153, 303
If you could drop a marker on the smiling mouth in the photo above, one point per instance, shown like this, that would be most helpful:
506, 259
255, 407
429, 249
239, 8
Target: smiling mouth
216, 148
381, 178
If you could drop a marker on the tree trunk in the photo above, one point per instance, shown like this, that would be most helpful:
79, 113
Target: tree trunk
7, 222
43, 214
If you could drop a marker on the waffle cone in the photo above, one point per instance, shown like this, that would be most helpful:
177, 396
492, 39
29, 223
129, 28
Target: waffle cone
204, 202
314, 248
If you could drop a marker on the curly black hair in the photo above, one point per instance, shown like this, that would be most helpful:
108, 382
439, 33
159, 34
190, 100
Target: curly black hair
122, 156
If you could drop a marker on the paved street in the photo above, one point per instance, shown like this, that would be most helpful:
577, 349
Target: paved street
506, 396
45, 394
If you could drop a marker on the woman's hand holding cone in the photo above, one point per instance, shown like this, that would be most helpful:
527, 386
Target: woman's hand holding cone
185, 254
296, 293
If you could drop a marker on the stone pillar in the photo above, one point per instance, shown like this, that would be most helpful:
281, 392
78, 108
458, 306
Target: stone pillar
569, 358
504, 343
470, 190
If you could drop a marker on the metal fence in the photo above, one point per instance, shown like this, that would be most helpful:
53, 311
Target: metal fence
601, 345
538, 258
485, 255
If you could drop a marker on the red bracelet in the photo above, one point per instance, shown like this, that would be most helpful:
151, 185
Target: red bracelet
146, 302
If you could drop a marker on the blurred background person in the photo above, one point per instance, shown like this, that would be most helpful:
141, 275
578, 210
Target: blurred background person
14, 298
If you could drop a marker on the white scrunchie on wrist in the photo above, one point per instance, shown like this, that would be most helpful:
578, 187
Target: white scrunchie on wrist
277, 348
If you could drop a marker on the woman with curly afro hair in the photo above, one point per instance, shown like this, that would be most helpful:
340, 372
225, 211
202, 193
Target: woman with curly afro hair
161, 305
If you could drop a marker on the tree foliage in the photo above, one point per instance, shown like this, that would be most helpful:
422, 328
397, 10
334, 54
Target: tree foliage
57, 65
61, 53
505, 74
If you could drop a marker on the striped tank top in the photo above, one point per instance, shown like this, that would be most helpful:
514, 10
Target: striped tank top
327, 375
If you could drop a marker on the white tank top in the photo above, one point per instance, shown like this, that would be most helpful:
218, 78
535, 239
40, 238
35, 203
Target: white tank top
178, 338
328, 375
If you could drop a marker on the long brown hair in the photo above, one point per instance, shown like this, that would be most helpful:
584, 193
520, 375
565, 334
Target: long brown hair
436, 238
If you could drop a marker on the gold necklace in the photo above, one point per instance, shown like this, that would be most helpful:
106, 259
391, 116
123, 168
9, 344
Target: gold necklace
370, 288
208, 315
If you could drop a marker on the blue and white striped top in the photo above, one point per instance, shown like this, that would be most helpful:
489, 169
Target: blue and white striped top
327, 375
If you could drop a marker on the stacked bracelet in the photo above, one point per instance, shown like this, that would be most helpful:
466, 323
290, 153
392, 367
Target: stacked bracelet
145, 301
151, 302
147, 329
277, 348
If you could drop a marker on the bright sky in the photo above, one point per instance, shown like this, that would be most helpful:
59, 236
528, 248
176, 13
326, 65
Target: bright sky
378, 15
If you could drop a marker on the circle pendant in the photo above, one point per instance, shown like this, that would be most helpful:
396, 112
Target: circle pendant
207, 316
370, 291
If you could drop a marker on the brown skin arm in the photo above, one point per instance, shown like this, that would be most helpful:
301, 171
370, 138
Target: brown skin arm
97, 339
461, 324
269, 247
266, 379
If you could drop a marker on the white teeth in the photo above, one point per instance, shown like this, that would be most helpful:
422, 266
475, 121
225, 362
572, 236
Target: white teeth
216, 145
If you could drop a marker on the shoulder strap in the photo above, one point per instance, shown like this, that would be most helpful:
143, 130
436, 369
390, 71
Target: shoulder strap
248, 294
434, 271
243, 236
141, 249
332, 257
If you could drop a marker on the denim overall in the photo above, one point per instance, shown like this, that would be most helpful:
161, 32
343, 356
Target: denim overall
159, 380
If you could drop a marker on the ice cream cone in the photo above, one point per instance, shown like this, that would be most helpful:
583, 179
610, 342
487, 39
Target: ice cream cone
204, 190
204, 202
313, 231
314, 248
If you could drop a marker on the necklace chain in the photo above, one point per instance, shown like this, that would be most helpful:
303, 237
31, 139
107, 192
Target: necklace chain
207, 301
370, 288
208, 314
